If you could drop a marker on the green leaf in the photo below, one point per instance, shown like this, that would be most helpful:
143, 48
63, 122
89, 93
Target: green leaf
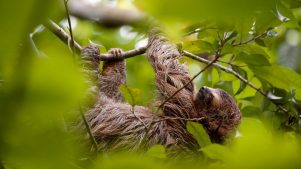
131, 95
253, 59
204, 46
284, 14
281, 17
260, 42
17, 27
230, 35
202, 33
273, 97
227, 49
157, 151
249, 124
206, 79
216, 152
225, 85
280, 77
199, 133
251, 111
266, 21
244, 74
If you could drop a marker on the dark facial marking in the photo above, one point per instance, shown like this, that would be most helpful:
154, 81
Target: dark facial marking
205, 95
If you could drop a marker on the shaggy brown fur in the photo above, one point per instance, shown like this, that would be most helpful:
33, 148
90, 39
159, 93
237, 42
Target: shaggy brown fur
117, 127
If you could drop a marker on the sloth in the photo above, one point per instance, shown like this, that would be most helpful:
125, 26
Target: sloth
119, 126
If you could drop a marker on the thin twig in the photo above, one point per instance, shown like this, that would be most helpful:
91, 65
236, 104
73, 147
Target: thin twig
231, 64
60, 33
178, 118
228, 70
70, 26
250, 40
72, 47
88, 129
133, 112
133, 106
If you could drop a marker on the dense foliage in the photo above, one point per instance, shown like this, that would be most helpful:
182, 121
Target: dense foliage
42, 88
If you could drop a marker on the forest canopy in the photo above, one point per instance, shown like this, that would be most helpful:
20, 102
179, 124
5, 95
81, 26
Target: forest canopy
43, 90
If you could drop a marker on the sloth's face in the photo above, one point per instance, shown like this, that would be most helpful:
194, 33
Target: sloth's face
209, 98
220, 112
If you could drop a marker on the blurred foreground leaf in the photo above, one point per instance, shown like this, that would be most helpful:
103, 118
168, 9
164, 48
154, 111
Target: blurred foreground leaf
216, 152
157, 151
199, 133
131, 95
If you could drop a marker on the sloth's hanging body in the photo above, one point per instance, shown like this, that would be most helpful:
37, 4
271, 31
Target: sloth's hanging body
117, 125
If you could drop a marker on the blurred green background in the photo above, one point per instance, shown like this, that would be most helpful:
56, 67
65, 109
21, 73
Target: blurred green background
41, 87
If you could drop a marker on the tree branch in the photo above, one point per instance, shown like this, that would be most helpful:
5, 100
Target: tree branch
228, 70
65, 37
124, 55
60, 33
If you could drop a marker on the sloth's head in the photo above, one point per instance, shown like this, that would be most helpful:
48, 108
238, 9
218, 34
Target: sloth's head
220, 112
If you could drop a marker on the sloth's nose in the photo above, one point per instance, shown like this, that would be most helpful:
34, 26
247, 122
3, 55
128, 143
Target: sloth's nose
203, 88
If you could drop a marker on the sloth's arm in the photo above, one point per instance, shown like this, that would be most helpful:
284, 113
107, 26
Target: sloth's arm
113, 74
170, 76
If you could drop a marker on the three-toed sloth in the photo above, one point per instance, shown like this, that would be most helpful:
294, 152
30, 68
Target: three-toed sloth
116, 125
